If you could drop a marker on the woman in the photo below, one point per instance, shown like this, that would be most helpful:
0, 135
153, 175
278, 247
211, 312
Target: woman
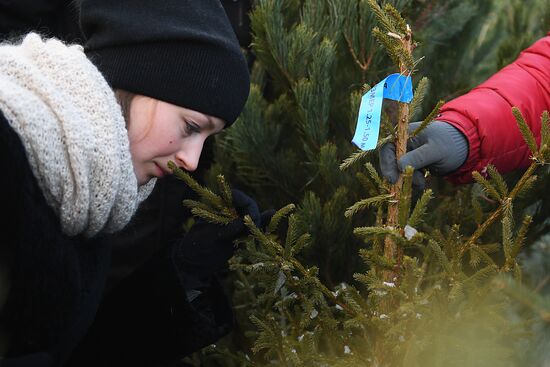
81, 144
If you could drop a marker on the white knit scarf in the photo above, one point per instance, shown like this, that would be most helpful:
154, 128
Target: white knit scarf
73, 132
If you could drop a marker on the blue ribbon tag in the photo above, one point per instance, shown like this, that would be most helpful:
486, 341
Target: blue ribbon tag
396, 87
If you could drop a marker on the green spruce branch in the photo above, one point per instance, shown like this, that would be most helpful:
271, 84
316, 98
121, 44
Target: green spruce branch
213, 208
539, 157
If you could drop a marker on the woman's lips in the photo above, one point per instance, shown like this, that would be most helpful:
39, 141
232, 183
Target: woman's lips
160, 171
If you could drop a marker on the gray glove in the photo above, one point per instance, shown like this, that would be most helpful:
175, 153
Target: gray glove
440, 147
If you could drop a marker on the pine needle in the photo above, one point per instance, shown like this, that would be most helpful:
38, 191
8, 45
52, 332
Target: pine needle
520, 238
545, 135
278, 216
527, 186
207, 195
405, 198
302, 242
486, 185
368, 232
475, 257
478, 210
395, 17
418, 97
480, 276
365, 203
525, 131
355, 157
225, 191
210, 216
420, 208
428, 119
374, 174
497, 178
291, 235
440, 255
381, 16
391, 45
545, 128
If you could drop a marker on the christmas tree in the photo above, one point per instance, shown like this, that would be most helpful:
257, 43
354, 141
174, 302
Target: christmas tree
357, 271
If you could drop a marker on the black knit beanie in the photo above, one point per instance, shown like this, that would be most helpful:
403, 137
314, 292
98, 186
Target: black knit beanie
180, 51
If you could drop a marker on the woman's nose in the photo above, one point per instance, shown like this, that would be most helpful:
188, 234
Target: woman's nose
188, 157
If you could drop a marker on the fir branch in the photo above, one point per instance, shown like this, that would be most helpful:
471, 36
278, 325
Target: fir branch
497, 178
365, 203
267, 338
207, 195
475, 257
278, 216
383, 141
486, 186
520, 237
225, 191
405, 198
354, 106
367, 232
367, 184
517, 272
407, 60
353, 158
301, 242
354, 306
260, 236
381, 16
291, 236
374, 260
418, 96
480, 276
391, 45
482, 252
525, 296
193, 203
525, 131
507, 209
386, 129
457, 291
490, 248
527, 186
507, 237
545, 130
440, 256
369, 279
478, 210
428, 119
545, 127
210, 216
395, 17
374, 175
420, 208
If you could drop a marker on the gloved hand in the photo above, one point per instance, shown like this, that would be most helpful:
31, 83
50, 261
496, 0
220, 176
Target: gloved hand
205, 249
440, 147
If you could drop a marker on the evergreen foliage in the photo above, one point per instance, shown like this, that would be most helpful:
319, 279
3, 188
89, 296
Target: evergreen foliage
318, 287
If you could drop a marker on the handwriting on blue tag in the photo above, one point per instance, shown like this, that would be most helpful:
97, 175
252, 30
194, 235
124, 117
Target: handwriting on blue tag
395, 86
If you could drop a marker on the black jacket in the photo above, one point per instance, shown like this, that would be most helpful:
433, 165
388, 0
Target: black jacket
53, 306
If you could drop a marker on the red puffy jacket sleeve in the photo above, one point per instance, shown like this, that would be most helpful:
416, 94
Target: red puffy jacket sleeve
484, 115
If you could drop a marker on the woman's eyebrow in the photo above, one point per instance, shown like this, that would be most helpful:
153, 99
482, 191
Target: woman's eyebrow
210, 124
206, 121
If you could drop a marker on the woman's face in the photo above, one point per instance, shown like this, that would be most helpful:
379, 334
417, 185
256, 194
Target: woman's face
160, 132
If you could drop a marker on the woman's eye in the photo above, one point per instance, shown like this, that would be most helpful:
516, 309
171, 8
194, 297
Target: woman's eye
191, 127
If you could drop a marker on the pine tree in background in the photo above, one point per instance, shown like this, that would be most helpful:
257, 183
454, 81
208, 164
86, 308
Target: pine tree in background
302, 294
